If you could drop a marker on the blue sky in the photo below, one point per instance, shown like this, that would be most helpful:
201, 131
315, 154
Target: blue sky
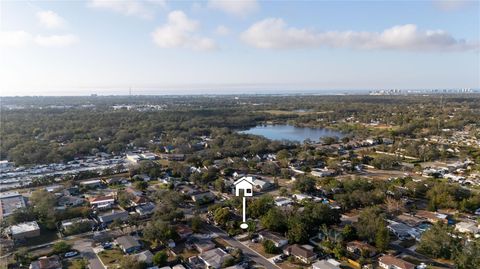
165, 47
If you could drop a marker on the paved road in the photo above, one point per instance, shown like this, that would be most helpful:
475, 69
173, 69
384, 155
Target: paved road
252, 254
85, 248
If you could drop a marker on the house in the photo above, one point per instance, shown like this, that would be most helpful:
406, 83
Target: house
149, 156
360, 248
133, 158
110, 216
203, 197
95, 183
72, 191
142, 177
173, 157
283, 201
9, 202
183, 231
276, 238
203, 245
410, 220
326, 264
24, 230
391, 262
467, 227
116, 180
128, 243
432, 217
322, 172
67, 223
262, 185
102, 202
244, 185
145, 256
302, 252
52, 262
301, 196
145, 209
70, 201
403, 231
214, 258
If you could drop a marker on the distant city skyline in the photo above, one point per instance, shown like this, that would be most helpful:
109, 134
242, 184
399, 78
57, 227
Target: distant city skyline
233, 47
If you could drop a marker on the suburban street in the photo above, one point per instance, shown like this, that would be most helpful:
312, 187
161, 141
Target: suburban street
253, 255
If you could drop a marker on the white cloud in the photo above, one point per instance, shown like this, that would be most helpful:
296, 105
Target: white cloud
222, 30
181, 32
50, 19
56, 40
14, 39
129, 7
274, 33
235, 7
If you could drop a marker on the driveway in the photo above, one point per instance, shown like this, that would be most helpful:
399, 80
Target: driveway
85, 248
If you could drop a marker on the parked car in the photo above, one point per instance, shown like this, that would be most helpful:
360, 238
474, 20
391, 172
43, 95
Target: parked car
107, 245
70, 254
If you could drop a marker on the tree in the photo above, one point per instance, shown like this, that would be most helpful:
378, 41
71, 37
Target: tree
22, 256
160, 258
196, 224
297, 230
219, 184
124, 198
304, 184
259, 206
43, 204
274, 220
61, 247
370, 221
269, 247
349, 233
437, 242
141, 185
468, 256
21, 215
382, 239
221, 216
228, 262
159, 231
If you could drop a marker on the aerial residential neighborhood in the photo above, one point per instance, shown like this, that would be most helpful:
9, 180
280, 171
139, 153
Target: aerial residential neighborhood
240, 134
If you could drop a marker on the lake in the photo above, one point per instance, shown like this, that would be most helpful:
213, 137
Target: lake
291, 133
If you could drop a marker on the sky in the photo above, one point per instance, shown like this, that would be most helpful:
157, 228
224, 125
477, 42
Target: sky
223, 46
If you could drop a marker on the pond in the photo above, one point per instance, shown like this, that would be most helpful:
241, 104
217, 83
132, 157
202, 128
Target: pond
291, 133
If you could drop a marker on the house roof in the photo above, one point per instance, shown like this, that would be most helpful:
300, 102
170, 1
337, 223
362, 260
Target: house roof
214, 257
272, 236
52, 262
300, 251
144, 256
361, 245
127, 242
326, 264
391, 260
24, 227
100, 199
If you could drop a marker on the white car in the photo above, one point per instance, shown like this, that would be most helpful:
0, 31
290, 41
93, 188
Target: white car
70, 254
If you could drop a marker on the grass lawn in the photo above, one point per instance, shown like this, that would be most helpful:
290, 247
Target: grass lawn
258, 247
111, 256
75, 264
